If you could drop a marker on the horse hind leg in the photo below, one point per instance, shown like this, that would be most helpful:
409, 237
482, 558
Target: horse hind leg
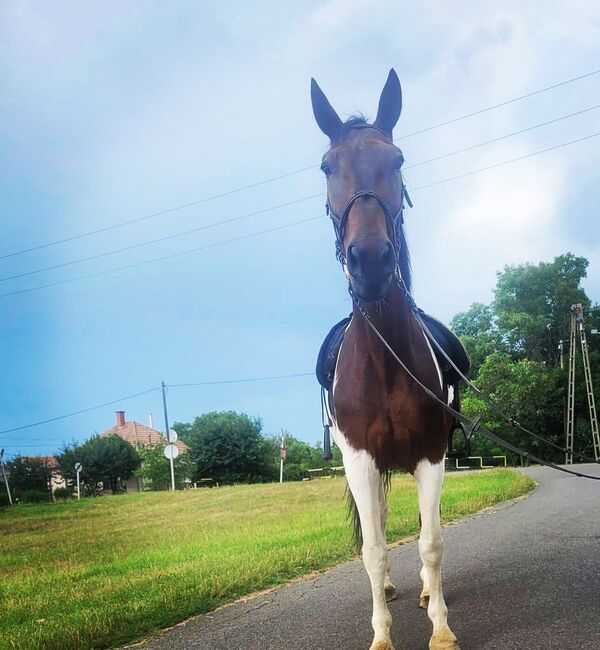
429, 478
364, 482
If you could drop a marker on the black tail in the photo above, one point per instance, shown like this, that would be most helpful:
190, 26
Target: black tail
353, 514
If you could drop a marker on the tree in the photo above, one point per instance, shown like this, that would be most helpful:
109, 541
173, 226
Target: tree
228, 447
106, 462
156, 468
532, 305
479, 333
530, 392
29, 474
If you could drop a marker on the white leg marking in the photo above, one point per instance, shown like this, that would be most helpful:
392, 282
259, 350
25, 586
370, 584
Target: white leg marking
429, 478
365, 483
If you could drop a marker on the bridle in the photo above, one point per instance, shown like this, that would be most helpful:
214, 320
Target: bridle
393, 222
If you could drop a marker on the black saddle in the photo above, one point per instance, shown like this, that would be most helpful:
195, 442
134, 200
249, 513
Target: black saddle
446, 339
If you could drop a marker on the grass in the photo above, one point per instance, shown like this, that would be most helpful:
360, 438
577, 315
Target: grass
102, 572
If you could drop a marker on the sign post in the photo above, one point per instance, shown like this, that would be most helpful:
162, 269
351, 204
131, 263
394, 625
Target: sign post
4, 475
282, 456
78, 470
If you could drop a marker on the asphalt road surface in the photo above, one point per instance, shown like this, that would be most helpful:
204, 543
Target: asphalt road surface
525, 576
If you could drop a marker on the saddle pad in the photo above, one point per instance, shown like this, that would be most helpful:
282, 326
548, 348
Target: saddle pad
448, 341
328, 354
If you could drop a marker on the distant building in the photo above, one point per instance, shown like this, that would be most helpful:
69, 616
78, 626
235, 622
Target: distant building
138, 434
56, 478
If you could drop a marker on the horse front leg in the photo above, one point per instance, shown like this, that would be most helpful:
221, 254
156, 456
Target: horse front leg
365, 483
430, 478
388, 585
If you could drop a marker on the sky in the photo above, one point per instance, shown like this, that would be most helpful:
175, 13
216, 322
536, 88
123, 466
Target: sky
112, 111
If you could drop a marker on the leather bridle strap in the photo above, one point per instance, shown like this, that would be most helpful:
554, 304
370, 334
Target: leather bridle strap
393, 222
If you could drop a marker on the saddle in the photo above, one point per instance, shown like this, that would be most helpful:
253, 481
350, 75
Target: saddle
440, 333
445, 338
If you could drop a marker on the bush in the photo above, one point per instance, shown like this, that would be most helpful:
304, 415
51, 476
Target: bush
63, 493
3, 496
34, 496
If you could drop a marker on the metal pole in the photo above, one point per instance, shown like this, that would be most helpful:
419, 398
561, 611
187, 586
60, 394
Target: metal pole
78, 486
167, 433
4, 475
281, 452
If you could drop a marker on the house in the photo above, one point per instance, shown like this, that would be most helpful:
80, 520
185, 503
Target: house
56, 478
138, 434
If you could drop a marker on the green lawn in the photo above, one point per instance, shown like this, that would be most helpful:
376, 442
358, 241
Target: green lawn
105, 571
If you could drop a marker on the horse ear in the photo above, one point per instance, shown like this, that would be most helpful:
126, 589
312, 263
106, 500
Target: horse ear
327, 119
390, 104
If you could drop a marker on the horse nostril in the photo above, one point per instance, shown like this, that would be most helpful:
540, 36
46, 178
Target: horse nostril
353, 259
387, 256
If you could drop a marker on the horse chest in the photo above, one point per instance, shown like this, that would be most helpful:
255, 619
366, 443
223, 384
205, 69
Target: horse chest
381, 411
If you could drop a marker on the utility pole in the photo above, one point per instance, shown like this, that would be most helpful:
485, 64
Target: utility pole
167, 432
578, 327
282, 455
4, 475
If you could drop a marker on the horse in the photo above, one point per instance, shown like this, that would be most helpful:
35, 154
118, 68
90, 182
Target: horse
381, 420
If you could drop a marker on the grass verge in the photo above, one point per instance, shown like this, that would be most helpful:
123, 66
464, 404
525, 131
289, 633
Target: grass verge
102, 572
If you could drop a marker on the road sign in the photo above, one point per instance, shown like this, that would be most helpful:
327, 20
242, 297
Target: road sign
78, 467
173, 435
171, 452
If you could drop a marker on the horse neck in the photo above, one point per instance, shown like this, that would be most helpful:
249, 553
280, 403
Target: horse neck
394, 319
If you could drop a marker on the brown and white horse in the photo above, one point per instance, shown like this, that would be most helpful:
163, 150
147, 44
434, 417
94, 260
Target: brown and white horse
381, 419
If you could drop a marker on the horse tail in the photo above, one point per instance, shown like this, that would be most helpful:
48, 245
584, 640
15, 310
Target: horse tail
353, 514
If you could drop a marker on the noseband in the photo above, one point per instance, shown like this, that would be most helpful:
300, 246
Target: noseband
393, 222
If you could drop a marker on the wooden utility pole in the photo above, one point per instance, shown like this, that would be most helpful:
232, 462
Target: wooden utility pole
163, 387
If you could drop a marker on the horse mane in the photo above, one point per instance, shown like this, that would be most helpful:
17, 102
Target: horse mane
358, 119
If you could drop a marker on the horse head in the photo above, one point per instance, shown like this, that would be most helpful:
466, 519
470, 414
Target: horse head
365, 192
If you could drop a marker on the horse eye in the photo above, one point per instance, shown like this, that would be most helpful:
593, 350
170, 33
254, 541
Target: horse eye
399, 161
325, 169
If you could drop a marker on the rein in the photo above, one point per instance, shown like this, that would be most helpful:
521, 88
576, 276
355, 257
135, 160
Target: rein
473, 425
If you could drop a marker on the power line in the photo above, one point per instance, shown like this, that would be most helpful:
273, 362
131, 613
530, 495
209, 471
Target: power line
502, 137
504, 162
150, 390
165, 238
162, 258
504, 103
281, 205
86, 410
242, 381
289, 225
242, 188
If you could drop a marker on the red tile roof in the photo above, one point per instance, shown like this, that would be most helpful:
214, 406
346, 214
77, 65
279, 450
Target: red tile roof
139, 434
48, 461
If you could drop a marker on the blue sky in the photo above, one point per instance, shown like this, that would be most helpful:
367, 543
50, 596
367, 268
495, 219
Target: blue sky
114, 110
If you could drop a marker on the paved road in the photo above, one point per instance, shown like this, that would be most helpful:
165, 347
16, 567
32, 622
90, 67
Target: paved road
525, 576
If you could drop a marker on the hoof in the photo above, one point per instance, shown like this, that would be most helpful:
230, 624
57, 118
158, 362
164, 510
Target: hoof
384, 644
424, 602
444, 640
390, 592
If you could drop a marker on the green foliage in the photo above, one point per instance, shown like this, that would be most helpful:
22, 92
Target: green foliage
513, 344
301, 456
229, 448
34, 496
479, 333
530, 392
29, 474
532, 305
63, 493
106, 463
156, 469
